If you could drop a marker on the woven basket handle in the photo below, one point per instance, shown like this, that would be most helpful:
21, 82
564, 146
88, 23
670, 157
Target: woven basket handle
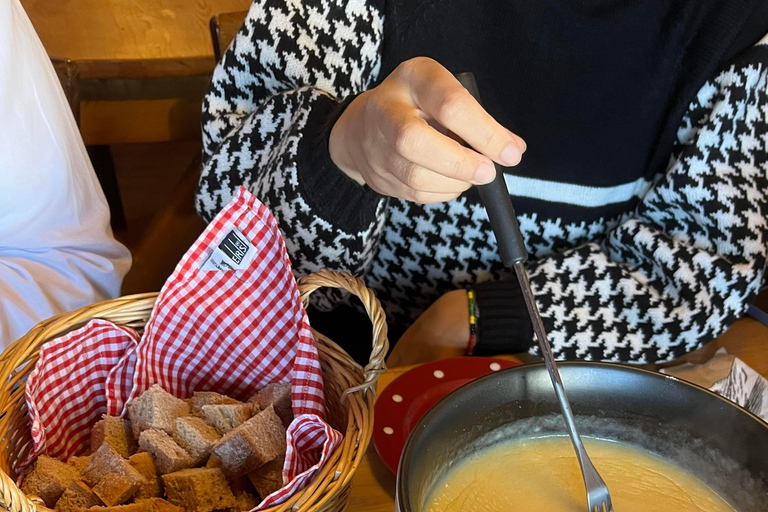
355, 286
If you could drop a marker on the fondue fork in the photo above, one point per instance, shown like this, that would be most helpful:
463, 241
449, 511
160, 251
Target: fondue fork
501, 214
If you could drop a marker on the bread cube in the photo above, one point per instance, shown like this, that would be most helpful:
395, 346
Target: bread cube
156, 409
196, 437
116, 432
77, 496
268, 478
48, 479
158, 505
225, 417
167, 455
115, 489
252, 444
152, 486
198, 490
213, 462
201, 398
278, 395
239, 484
79, 463
245, 501
130, 507
105, 461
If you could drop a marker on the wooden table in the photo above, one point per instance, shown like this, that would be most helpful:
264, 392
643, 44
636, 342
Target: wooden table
373, 489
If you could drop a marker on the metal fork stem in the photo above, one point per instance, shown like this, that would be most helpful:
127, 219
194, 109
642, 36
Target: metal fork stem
501, 216
549, 361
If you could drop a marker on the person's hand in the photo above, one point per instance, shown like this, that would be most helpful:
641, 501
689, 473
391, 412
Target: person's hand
395, 137
442, 331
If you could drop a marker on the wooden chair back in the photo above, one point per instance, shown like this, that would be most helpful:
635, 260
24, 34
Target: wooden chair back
224, 28
69, 76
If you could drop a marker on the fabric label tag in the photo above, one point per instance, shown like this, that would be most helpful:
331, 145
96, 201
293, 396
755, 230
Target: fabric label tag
235, 252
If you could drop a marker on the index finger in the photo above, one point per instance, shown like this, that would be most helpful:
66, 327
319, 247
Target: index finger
437, 92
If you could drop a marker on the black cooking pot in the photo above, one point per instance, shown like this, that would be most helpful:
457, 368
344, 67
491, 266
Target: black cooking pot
723, 445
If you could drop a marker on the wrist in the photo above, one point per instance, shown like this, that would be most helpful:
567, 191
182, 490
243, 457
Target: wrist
338, 151
458, 317
329, 194
473, 314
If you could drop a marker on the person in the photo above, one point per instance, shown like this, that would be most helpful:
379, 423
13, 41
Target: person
633, 136
57, 252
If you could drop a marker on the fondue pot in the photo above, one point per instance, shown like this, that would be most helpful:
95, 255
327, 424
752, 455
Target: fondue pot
713, 439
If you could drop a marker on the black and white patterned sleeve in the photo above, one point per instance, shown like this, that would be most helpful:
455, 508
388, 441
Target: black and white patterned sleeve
266, 119
693, 255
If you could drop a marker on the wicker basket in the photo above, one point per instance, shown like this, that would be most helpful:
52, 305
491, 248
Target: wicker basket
349, 391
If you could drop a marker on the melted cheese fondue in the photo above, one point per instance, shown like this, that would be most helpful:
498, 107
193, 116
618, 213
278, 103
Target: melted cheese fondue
543, 475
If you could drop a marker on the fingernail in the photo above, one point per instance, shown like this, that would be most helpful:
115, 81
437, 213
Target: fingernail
485, 173
520, 142
511, 154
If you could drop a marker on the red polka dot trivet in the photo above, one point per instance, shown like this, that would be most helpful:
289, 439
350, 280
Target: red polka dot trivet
408, 398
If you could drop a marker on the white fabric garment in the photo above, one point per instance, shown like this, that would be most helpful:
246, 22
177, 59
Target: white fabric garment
57, 252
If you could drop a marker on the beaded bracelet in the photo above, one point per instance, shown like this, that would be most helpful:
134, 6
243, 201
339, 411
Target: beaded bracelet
472, 320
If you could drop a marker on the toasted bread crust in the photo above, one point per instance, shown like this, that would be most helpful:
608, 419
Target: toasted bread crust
152, 486
77, 496
277, 395
115, 489
116, 432
199, 490
252, 444
105, 461
156, 409
48, 479
166, 453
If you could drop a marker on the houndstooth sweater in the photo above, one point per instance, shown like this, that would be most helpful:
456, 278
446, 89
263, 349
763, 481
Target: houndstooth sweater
633, 259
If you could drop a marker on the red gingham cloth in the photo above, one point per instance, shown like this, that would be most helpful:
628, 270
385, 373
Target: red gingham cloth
66, 391
232, 331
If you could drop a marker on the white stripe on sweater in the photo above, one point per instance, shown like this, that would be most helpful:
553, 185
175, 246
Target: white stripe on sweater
578, 195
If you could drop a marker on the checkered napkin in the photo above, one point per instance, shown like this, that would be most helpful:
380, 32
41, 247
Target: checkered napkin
229, 319
65, 390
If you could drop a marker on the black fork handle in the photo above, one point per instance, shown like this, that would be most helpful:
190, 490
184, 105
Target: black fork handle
495, 198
